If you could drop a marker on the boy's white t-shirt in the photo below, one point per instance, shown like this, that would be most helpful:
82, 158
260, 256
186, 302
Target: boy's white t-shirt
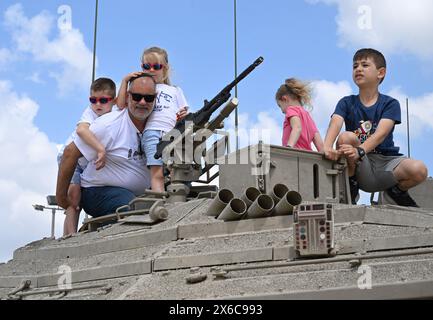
125, 167
88, 116
169, 100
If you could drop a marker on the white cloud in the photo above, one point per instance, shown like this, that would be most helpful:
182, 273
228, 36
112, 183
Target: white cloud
266, 128
67, 49
36, 78
420, 112
389, 25
28, 172
326, 95
5, 57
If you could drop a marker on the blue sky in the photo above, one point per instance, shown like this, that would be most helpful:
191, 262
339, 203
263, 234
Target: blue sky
45, 72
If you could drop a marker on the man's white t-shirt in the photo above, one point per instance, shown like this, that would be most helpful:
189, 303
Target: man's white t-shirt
125, 162
169, 100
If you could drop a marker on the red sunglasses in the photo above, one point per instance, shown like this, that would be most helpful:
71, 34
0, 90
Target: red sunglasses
154, 66
102, 100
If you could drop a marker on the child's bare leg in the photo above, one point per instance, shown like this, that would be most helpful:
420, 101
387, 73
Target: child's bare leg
410, 173
157, 178
351, 139
73, 211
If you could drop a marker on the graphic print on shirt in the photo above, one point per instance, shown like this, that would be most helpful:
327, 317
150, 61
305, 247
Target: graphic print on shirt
365, 131
138, 153
163, 101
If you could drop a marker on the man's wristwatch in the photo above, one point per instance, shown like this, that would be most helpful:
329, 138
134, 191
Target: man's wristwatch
361, 152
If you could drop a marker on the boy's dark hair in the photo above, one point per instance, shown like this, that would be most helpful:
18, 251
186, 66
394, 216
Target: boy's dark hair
104, 84
377, 57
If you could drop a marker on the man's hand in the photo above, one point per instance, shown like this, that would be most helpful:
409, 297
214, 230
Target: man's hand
100, 160
331, 153
350, 152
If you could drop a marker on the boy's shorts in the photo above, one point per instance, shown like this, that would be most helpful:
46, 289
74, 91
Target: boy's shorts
375, 172
76, 178
149, 142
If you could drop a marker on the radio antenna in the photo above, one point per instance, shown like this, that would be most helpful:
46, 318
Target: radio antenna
408, 127
94, 41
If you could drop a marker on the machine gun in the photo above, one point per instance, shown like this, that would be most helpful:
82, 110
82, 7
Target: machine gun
202, 116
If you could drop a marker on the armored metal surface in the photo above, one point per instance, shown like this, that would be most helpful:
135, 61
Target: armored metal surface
307, 172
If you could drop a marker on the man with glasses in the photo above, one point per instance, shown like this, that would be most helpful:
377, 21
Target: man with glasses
125, 174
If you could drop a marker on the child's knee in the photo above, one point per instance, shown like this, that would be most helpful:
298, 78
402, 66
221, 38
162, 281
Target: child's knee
74, 193
72, 212
348, 137
414, 170
419, 171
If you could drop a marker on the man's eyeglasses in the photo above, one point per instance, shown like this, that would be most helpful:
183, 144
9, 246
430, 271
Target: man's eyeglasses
102, 100
147, 97
154, 66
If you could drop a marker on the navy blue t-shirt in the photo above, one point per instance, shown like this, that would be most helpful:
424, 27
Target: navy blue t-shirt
363, 121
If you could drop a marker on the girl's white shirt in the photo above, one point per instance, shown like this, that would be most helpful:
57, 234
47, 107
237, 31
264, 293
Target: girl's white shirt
169, 100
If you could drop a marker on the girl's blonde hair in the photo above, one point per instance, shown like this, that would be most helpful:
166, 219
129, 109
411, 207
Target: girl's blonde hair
161, 56
295, 89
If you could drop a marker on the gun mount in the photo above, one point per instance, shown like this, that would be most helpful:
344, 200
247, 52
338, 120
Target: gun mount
203, 115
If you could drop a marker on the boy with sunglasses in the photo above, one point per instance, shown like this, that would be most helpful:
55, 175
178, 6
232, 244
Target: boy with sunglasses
102, 99
170, 106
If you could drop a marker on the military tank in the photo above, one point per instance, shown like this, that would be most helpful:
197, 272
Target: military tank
280, 225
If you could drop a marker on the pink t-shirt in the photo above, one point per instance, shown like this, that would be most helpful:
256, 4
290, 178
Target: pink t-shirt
308, 127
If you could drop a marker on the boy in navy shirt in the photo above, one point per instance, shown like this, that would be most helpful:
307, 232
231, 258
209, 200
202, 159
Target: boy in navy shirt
374, 162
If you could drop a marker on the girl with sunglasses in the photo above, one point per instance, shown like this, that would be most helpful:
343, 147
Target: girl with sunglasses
170, 106
299, 129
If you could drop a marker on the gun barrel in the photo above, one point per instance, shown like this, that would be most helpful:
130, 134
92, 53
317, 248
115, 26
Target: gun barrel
238, 79
255, 64
200, 117
228, 108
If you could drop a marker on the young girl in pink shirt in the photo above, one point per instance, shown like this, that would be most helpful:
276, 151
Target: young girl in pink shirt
299, 129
